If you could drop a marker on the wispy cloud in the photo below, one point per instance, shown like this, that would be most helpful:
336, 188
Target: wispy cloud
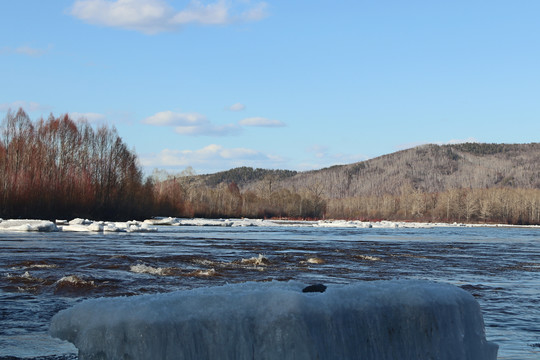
170, 118
191, 124
323, 157
89, 116
211, 157
257, 12
237, 107
209, 130
320, 151
458, 141
155, 16
261, 121
25, 50
198, 124
196, 12
449, 142
410, 145
28, 106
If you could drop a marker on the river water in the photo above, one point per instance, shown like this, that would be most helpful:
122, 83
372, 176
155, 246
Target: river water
42, 273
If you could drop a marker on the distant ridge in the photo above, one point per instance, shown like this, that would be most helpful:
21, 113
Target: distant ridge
429, 168
245, 175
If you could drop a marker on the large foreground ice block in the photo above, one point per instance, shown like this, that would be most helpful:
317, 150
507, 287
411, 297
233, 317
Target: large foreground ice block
367, 320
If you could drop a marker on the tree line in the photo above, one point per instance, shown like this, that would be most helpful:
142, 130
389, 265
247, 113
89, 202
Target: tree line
60, 168
184, 196
503, 205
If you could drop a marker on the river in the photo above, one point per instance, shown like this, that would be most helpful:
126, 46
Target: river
42, 273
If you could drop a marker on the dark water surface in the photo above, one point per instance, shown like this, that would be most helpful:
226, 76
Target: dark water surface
42, 273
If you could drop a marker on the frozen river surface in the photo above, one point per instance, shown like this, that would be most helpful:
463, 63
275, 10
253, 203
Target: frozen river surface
42, 273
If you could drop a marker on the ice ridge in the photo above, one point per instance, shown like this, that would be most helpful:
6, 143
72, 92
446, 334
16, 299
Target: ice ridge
399, 319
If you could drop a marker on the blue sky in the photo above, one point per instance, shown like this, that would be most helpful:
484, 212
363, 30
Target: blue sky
289, 84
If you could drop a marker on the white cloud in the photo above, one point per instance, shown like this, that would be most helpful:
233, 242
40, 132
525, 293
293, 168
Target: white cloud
256, 13
169, 118
196, 12
28, 106
237, 107
324, 158
26, 50
449, 142
155, 16
89, 116
211, 157
320, 151
30, 51
208, 130
198, 124
191, 124
410, 145
261, 121
456, 141
240, 153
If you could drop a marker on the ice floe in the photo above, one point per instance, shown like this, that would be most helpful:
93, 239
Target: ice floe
153, 225
403, 319
75, 225
299, 223
27, 225
82, 225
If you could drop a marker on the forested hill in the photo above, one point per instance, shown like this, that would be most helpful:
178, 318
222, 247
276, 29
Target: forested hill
245, 176
59, 168
428, 168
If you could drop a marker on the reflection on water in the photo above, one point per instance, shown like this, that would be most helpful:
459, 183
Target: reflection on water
43, 273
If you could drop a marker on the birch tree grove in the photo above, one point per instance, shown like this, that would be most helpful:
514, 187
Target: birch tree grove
62, 169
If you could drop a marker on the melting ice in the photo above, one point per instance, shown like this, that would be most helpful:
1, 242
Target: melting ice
85, 225
401, 319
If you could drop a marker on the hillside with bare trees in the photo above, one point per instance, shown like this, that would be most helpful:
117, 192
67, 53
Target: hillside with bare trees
60, 168
428, 168
469, 182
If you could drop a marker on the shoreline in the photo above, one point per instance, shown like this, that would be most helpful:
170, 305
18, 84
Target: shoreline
152, 225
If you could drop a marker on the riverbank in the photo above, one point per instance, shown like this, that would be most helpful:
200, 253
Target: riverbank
152, 225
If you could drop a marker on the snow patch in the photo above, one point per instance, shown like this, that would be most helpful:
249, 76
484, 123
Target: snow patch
276, 320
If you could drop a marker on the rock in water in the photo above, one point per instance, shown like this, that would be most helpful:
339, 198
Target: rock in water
366, 320
314, 288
